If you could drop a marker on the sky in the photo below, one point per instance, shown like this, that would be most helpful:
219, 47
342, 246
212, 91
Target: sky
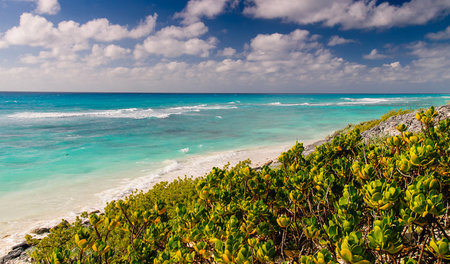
225, 46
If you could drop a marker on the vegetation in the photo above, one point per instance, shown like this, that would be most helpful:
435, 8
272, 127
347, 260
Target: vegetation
349, 201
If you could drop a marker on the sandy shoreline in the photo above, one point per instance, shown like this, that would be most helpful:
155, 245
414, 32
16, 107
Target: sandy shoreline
195, 165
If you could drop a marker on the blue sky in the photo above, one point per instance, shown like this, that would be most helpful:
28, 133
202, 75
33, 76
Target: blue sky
307, 46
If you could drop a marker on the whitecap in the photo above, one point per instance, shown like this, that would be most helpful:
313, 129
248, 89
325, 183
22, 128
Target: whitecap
374, 101
133, 113
297, 104
184, 150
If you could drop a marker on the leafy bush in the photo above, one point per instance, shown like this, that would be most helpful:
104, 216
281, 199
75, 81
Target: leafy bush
347, 202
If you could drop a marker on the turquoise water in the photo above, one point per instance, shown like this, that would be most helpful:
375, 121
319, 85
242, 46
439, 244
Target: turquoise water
58, 149
46, 137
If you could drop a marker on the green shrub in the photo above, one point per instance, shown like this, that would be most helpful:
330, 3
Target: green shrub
347, 202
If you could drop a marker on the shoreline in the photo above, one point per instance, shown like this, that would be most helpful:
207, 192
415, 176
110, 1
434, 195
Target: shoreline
199, 165
192, 166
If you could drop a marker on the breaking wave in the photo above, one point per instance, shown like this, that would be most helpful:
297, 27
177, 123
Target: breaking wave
133, 113
351, 102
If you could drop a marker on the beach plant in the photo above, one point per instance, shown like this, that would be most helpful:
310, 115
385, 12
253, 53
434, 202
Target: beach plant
349, 201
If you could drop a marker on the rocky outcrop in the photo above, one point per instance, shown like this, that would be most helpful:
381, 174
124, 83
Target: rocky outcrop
17, 255
388, 127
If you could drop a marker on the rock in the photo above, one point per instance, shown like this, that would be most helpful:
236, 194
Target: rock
268, 163
311, 147
388, 127
40, 230
16, 255
22, 246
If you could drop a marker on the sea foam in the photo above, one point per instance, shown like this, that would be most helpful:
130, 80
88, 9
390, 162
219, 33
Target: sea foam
350, 102
133, 113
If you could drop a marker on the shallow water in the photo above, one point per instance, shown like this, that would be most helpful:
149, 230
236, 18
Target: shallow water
58, 151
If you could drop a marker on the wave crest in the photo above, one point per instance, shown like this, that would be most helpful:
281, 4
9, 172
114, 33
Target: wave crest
133, 113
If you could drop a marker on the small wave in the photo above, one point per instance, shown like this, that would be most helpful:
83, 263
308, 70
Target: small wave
128, 186
299, 104
349, 102
173, 166
184, 150
133, 113
365, 101
219, 117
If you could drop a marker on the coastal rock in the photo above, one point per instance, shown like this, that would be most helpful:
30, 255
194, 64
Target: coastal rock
388, 127
385, 128
16, 255
311, 147
41, 230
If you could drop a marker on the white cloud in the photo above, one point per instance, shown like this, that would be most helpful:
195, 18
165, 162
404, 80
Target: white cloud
103, 54
336, 40
395, 64
35, 31
431, 60
73, 55
430, 65
349, 13
196, 9
50, 7
445, 34
227, 52
307, 68
276, 46
175, 41
102, 30
68, 37
374, 55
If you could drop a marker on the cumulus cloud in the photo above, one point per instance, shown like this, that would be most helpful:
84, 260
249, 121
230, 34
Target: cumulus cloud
349, 13
196, 9
74, 55
68, 37
276, 46
445, 34
173, 41
296, 57
374, 55
50, 7
307, 67
227, 52
395, 64
432, 59
103, 54
430, 64
336, 40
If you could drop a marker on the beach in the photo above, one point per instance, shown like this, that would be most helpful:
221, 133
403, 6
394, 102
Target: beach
40, 214
62, 154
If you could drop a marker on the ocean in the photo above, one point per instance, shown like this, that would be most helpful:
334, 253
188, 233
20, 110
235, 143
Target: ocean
61, 153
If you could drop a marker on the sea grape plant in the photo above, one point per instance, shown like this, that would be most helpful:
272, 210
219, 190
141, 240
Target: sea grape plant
349, 201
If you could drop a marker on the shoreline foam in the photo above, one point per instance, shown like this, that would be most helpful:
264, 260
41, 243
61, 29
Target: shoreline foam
195, 166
